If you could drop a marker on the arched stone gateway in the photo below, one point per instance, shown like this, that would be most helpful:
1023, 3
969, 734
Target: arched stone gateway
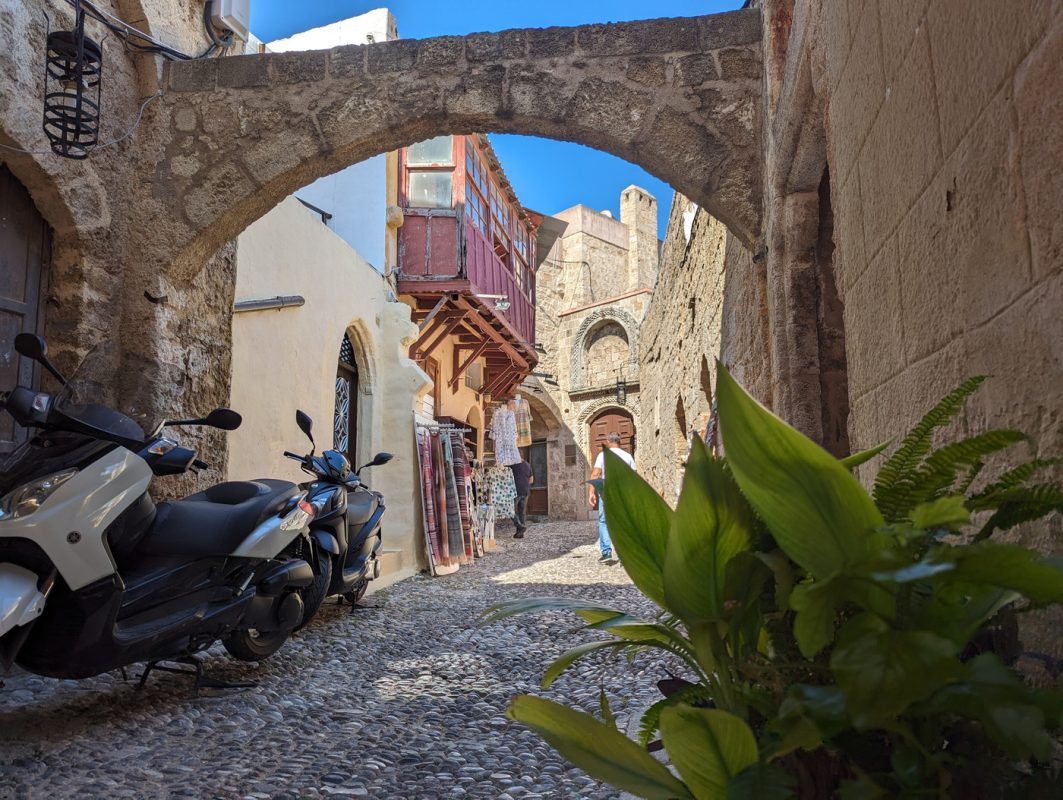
680, 97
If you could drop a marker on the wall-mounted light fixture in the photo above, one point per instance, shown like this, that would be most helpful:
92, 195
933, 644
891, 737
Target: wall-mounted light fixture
72, 72
621, 388
501, 301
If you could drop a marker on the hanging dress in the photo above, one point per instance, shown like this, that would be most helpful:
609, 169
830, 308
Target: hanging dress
504, 434
522, 416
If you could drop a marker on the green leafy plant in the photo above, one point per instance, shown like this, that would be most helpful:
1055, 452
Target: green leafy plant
833, 638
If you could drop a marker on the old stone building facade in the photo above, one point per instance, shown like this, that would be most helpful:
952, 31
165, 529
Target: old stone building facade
593, 290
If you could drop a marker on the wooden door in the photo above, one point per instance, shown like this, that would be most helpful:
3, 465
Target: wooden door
25, 248
612, 421
539, 499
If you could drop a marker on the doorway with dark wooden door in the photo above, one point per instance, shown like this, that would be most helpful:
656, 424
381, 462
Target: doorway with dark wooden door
539, 499
613, 420
25, 250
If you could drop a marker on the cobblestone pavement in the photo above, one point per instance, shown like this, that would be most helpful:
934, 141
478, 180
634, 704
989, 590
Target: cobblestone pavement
403, 700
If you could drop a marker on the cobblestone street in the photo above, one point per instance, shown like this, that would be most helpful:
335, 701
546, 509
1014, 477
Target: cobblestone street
406, 699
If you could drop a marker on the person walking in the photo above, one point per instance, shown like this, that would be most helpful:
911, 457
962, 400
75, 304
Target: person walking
522, 479
605, 544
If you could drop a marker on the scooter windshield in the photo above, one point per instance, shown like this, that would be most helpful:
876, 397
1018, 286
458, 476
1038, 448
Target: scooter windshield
81, 398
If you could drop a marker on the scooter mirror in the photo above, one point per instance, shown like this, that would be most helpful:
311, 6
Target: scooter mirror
380, 459
31, 346
306, 425
224, 418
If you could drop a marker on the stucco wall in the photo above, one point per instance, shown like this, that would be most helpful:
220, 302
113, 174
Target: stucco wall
356, 197
286, 359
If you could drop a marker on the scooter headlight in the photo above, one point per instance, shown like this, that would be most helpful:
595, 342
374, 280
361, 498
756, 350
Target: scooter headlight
27, 498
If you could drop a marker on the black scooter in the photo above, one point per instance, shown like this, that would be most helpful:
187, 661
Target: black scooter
346, 524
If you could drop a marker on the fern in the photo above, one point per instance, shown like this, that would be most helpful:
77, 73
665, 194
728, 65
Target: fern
697, 694
943, 465
988, 497
1019, 504
892, 484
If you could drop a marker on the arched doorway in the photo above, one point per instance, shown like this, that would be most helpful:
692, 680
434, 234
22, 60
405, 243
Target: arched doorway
612, 420
345, 420
25, 251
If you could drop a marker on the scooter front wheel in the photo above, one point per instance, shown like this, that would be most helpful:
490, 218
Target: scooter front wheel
253, 645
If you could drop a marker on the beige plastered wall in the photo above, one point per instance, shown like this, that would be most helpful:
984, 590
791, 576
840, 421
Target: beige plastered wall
286, 359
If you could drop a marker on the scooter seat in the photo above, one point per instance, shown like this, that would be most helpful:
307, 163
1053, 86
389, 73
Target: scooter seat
214, 522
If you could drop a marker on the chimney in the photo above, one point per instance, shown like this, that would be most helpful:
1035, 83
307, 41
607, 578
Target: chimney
638, 211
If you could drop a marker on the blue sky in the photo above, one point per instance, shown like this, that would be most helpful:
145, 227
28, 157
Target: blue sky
548, 176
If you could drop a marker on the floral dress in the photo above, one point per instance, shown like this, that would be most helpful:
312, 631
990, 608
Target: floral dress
504, 434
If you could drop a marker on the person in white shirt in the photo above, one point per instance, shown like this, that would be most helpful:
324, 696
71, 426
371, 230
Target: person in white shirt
605, 544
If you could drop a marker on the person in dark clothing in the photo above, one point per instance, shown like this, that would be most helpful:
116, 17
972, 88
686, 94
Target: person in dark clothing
523, 479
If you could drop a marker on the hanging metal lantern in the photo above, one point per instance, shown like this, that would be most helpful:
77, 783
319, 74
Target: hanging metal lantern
72, 90
621, 392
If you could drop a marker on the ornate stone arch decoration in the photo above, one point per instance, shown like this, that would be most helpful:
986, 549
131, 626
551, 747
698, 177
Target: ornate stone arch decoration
577, 368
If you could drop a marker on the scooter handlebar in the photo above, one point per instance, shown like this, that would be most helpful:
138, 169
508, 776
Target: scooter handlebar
294, 456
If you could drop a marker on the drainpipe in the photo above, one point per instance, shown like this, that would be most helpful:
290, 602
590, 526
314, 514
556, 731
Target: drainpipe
280, 301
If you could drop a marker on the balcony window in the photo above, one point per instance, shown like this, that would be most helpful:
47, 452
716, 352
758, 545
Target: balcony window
500, 215
439, 150
430, 189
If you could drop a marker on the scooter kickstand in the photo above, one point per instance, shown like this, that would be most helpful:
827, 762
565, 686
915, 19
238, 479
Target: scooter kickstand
202, 679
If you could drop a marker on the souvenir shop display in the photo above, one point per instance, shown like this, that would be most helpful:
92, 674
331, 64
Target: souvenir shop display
449, 525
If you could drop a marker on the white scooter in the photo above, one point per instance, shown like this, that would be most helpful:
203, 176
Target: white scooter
95, 576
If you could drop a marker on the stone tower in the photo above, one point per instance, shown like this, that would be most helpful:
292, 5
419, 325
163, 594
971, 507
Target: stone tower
638, 211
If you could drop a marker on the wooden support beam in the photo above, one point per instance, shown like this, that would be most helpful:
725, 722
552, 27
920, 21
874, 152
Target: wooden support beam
439, 322
447, 330
432, 314
467, 362
503, 378
489, 330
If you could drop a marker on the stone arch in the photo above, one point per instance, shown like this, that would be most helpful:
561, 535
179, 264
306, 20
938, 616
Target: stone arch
362, 346
577, 363
679, 97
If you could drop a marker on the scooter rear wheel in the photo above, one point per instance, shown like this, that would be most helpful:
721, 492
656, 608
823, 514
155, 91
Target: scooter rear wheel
251, 645
314, 594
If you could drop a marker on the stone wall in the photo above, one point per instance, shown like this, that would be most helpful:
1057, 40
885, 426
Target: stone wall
911, 234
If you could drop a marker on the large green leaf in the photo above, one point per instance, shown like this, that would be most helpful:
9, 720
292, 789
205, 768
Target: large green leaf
708, 746
570, 657
510, 608
597, 748
711, 525
882, 670
956, 610
945, 512
1010, 567
817, 511
993, 695
817, 606
639, 521
863, 456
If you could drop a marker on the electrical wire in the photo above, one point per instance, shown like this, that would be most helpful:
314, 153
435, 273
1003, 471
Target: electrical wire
125, 31
111, 143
